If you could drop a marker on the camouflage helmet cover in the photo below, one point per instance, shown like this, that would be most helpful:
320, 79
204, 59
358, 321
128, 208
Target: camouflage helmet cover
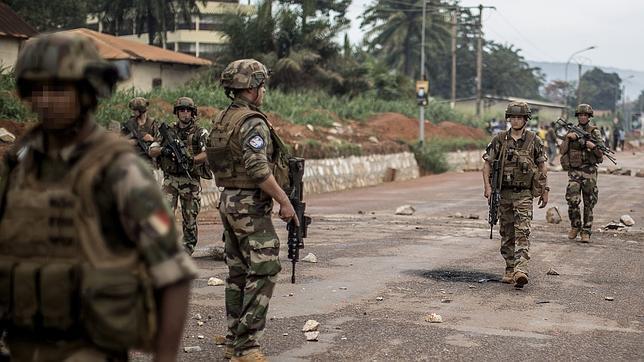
518, 109
184, 102
138, 104
67, 57
244, 74
584, 109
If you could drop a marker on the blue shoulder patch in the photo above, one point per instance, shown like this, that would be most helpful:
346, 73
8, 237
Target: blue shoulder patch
257, 143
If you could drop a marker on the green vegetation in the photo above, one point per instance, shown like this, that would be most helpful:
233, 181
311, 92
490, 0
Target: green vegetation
10, 106
432, 156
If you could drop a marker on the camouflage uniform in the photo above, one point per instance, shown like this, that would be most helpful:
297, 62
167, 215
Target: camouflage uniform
582, 176
516, 204
241, 152
121, 215
179, 187
149, 127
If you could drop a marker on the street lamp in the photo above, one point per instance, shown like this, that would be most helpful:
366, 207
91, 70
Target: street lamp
566, 70
626, 123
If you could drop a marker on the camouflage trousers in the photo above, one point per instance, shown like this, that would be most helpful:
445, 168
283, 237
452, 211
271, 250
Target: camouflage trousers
515, 215
582, 186
252, 255
188, 192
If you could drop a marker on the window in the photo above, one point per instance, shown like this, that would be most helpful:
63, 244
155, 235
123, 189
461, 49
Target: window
126, 27
187, 48
182, 24
211, 22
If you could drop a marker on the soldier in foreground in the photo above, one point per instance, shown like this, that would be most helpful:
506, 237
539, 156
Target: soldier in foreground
181, 152
90, 265
245, 155
518, 157
140, 128
580, 157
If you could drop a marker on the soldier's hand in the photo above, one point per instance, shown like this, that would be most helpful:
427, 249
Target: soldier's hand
572, 136
487, 192
543, 200
287, 213
148, 138
590, 145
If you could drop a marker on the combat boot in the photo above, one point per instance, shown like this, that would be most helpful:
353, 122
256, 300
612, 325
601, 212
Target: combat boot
508, 277
572, 234
585, 237
520, 279
254, 355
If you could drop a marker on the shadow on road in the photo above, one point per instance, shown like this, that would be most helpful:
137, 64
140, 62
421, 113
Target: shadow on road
457, 276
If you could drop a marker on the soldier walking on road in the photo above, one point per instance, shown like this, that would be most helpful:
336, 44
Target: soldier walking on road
90, 265
182, 157
140, 128
244, 154
523, 176
580, 158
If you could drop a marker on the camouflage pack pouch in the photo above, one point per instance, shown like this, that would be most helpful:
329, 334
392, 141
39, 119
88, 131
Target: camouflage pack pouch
280, 164
25, 295
264, 248
116, 309
58, 295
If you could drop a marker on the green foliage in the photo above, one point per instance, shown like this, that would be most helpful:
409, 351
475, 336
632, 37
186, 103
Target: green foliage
600, 89
432, 156
11, 107
46, 15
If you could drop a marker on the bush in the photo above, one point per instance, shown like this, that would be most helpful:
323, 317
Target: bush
11, 107
432, 156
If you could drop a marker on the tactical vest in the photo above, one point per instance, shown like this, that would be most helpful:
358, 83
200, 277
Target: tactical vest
192, 143
519, 168
58, 276
225, 150
575, 154
148, 127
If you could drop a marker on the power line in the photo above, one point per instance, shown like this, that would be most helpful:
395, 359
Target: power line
522, 36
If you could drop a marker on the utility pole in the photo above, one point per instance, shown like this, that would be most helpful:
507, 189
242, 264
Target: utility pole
421, 118
452, 102
479, 61
579, 101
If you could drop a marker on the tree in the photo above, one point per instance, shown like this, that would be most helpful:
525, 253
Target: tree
394, 33
45, 15
506, 73
557, 91
155, 17
600, 89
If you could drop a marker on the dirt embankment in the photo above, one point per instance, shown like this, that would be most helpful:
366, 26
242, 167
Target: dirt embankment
382, 133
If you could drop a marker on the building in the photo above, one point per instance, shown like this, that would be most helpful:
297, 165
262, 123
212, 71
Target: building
150, 66
494, 106
13, 32
202, 37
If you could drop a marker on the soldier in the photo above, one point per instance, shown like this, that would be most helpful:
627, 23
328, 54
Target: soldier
182, 174
245, 156
580, 158
523, 177
90, 265
140, 128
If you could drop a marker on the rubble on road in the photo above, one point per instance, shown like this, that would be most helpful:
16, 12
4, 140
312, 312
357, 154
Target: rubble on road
219, 340
191, 349
311, 325
553, 216
434, 318
405, 210
380, 299
610, 299
215, 282
310, 258
6, 136
627, 220
551, 271
312, 336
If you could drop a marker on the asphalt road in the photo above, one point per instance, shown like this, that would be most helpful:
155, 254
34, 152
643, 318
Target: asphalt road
378, 275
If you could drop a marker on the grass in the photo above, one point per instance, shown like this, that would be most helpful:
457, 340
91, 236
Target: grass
432, 156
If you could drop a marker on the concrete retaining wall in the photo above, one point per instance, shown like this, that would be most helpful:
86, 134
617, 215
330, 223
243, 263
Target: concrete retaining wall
465, 160
338, 174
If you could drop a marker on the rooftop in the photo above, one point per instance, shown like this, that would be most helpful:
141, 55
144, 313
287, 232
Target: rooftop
12, 25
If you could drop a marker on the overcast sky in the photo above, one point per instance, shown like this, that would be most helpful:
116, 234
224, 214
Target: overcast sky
551, 30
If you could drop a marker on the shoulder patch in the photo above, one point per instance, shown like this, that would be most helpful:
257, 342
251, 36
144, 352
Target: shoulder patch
257, 142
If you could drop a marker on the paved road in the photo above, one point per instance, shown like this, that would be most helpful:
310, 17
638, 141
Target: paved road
433, 262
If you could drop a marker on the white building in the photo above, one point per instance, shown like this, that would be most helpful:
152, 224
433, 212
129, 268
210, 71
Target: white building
13, 32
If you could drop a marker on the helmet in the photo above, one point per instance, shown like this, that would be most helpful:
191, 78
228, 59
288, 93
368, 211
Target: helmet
518, 109
67, 57
244, 74
139, 104
584, 109
185, 102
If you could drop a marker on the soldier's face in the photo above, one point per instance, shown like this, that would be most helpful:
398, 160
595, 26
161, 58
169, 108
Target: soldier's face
56, 103
185, 115
583, 118
517, 122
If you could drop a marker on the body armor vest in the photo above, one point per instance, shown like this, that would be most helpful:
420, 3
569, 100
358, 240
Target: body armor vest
148, 127
187, 136
575, 154
58, 276
519, 168
225, 150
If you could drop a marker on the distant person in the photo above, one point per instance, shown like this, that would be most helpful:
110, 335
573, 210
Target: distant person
621, 138
580, 158
541, 132
140, 128
616, 129
551, 141
523, 177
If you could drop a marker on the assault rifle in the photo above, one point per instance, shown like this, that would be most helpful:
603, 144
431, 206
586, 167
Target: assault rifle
608, 153
495, 197
144, 148
295, 192
177, 149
